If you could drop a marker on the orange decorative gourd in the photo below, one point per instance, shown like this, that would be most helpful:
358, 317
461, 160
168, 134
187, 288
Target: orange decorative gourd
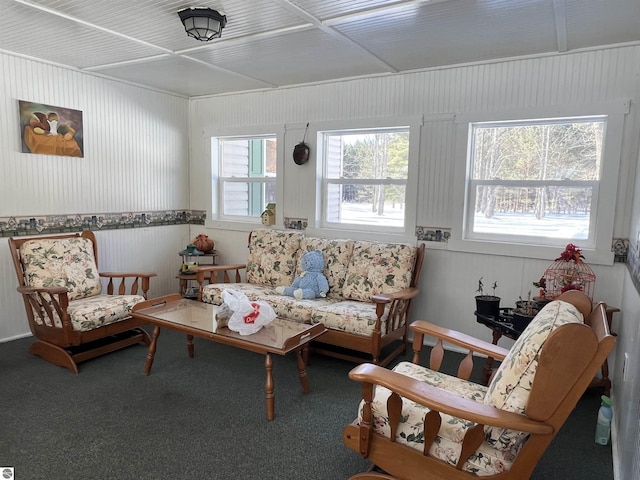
203, 243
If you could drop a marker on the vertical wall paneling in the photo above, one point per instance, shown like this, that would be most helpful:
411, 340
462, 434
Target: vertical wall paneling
581, 78
449, 279
135, 159
134, 140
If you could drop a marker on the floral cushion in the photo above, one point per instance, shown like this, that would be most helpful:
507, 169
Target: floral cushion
63, 262
212, 293
272, 257
448, 443
348, 316
294, 309
336, 255
284, 306
510, 387
93, 312
377, 268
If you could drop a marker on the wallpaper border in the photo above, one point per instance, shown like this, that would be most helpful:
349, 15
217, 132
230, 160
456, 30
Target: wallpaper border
633, 265
18, 226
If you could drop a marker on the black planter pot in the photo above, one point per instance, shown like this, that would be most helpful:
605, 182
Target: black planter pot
520, 321
541, 302
488, 305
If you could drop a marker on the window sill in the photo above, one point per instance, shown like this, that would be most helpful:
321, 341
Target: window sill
592, 257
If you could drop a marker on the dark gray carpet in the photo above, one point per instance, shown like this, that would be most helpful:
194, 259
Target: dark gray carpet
205, 418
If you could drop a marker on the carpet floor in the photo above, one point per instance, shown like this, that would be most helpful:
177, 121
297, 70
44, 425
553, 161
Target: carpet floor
205, 418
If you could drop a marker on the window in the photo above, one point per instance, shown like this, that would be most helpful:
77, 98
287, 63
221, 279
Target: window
365, 177
535, 181
246, 169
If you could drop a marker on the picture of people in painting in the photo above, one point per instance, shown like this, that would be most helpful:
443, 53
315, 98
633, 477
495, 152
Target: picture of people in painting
50, 130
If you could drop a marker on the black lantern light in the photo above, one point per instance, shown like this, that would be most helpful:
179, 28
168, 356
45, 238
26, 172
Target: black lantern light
203, 24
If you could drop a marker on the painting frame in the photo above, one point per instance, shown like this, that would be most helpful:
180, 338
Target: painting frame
50, 130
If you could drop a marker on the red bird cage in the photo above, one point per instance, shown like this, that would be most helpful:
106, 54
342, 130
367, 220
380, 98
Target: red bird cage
569, 272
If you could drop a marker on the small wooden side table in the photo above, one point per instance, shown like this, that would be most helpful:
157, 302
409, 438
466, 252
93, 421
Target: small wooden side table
185, 278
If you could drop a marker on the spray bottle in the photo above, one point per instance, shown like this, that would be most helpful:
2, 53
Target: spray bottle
603, 427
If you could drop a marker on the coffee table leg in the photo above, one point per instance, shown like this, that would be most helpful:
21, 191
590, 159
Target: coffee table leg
302, 372
268, 364
190, 345
152, 350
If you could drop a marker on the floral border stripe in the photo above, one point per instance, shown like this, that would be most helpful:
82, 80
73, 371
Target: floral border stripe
46, 224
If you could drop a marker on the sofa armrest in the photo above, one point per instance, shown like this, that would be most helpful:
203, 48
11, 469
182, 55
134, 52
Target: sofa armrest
404, 294
396, 306
204, 272
140, 280
208, 271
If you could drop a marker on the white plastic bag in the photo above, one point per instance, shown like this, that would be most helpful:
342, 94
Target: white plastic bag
248, 317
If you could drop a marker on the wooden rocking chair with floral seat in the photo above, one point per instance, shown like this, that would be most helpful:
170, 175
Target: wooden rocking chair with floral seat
415, 422
62, 289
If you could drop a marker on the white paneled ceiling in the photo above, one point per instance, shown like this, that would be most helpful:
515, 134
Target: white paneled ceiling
278, 43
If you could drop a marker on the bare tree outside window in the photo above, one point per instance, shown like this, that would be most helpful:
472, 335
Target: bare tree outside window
365, 176
536, 178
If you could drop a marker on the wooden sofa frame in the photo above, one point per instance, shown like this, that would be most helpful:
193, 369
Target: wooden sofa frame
385, 332
397, 326
63, 345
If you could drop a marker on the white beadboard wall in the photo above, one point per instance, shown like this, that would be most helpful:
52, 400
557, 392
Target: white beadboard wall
135, 159
573, 79
449, 278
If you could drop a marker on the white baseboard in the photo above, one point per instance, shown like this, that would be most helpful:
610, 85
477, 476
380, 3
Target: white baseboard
16, 337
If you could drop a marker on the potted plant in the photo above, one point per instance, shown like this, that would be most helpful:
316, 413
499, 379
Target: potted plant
524, 312
542, 299
487, 305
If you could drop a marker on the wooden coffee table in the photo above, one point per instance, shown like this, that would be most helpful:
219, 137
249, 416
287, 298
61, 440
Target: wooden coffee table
197, 319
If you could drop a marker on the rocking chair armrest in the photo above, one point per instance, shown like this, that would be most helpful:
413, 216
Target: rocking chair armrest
49, 290
422, 327
404, 294
442, 401
48, 302
120, 285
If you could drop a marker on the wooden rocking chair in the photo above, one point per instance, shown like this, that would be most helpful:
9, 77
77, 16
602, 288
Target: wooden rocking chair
419, 423
61, 288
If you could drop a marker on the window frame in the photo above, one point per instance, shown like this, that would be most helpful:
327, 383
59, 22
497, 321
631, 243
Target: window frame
599, 249
364, 126
218, 218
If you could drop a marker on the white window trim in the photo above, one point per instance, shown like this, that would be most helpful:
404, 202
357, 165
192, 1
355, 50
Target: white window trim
214, 218
606, 205
414, 123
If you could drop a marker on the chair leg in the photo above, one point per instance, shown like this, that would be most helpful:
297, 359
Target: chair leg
53, 354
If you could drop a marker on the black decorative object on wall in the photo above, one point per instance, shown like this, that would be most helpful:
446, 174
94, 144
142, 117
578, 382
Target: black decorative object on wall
301, 150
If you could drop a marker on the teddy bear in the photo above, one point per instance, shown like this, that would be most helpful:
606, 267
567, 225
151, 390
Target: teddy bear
311, 283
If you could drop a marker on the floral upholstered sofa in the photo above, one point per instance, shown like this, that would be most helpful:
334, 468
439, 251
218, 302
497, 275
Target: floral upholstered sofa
371, 285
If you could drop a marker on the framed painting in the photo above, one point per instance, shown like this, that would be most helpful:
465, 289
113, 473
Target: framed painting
50, 130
